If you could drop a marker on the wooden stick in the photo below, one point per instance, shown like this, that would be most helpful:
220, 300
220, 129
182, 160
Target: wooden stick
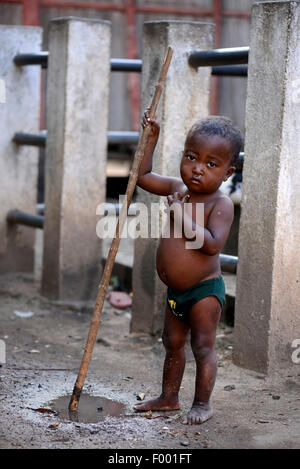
102, 289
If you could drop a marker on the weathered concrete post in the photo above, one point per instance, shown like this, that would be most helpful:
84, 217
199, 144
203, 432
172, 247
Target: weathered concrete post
19, 112
77, 116
185, 100
267, 319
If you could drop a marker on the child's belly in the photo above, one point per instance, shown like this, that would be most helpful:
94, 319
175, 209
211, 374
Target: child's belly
180, 268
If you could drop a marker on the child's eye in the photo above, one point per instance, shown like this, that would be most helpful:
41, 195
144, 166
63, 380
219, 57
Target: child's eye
190, 157
211, 164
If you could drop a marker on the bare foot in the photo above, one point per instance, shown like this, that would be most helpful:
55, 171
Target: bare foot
198, 414
161, 403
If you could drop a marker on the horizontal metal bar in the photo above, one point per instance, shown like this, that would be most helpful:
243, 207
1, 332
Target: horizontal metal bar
37, 140
23, 218
230, 70
113, 138
228, 263
126, 65
236, 55
229, 56
39, 58
122, 137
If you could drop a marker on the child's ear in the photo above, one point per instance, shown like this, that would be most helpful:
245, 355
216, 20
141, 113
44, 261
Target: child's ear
229, 172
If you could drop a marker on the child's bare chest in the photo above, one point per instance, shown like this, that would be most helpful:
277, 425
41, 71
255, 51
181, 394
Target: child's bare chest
199, 210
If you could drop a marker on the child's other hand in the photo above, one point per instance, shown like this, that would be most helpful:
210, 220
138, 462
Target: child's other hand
177, 197
155, 128
176, 201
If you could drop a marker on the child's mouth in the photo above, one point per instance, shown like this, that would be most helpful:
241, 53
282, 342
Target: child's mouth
196, 180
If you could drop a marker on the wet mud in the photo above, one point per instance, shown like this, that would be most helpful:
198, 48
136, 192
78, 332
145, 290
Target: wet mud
90, 410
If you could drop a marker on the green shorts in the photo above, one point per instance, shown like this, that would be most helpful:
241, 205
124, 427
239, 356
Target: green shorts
181, 301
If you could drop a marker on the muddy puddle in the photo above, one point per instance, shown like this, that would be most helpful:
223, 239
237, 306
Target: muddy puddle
91, 409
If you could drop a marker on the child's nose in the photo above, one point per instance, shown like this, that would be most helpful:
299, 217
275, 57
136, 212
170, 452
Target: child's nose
198, 168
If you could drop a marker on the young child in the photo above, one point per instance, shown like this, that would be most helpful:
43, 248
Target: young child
196, 291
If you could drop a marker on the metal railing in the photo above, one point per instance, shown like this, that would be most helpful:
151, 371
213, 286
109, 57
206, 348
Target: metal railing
221, 60
113, 138
213, 57
41, 58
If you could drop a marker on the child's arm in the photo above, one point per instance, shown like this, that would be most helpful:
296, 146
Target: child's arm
218, 226
147, 180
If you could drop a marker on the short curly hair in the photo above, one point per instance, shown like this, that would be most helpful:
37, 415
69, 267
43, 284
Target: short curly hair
222, 126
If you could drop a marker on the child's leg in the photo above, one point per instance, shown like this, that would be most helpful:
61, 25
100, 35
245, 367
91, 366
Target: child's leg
204, 318
174, 337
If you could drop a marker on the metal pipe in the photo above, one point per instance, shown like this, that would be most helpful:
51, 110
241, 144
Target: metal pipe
37, 140
126, 65
230, 70
122, 137
134, 65
229, 56
23, 218
228, 263
39, 58
113, 138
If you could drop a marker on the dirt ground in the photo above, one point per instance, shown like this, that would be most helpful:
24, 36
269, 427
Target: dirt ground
43, 354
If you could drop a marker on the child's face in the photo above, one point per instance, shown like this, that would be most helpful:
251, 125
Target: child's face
206, 162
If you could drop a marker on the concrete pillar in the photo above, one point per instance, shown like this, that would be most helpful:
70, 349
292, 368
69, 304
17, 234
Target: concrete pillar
19, 112
267, 319
77, 115
185, 100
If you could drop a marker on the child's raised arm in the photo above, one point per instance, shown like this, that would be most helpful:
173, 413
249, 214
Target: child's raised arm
147, 180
